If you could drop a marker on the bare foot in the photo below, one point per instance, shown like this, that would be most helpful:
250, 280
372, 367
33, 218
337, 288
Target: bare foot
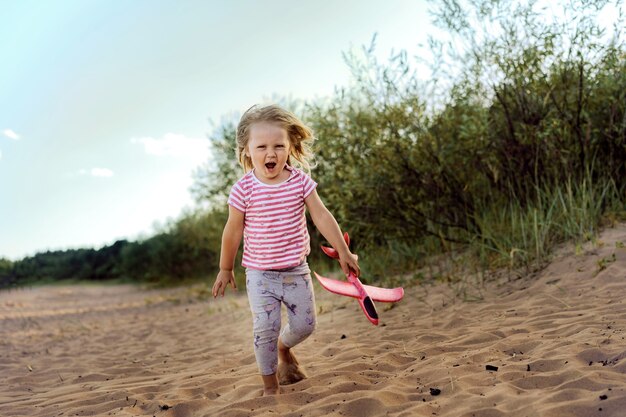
271, 391
289, 371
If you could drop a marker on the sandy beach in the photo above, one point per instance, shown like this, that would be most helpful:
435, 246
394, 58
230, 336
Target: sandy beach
546, 344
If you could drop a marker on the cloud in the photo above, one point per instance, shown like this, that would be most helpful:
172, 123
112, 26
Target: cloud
101, 172
176, 145
11, 134
97, 172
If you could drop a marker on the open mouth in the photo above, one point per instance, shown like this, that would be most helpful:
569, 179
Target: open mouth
270, 165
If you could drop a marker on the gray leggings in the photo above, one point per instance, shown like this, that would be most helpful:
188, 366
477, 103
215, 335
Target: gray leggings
266, 290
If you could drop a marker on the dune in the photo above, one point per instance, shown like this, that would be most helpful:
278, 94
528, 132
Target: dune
550, 343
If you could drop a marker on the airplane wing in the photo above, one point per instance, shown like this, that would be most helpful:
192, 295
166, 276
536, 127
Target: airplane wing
388, 295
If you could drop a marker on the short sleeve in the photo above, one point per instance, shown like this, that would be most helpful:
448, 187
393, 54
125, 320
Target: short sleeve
308, 185
237, 197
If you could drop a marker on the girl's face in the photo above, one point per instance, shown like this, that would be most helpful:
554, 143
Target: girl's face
268, 147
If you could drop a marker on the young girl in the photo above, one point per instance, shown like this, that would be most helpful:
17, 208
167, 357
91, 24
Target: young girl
266, 208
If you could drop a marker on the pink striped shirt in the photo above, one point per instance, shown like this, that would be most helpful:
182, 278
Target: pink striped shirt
275, 235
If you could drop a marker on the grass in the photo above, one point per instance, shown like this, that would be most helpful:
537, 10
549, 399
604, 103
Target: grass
516, 236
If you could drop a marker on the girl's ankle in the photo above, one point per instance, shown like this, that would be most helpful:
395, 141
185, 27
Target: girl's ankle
270, 384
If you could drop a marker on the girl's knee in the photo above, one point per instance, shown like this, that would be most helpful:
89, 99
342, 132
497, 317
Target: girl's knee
302, 326
302, 330
309, 326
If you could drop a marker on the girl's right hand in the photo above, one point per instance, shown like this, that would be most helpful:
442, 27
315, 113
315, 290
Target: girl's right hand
224, 277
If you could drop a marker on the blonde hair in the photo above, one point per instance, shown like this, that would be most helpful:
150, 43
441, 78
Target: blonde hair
300, 135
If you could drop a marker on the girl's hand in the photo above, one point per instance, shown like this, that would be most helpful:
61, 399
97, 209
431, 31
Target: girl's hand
224, 277
349, 261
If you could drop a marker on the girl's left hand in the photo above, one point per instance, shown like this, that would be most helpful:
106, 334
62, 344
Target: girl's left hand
350, 261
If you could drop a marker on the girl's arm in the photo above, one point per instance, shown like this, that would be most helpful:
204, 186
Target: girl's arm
231, 238
328, 227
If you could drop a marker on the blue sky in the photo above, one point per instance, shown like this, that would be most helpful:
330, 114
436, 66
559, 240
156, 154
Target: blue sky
105, 106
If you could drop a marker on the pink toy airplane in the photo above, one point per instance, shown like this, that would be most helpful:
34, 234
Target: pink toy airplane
366, 294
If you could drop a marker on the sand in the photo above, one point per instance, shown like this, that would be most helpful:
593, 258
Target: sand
556, 338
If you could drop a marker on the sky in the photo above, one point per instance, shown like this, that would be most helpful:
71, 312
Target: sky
106, 106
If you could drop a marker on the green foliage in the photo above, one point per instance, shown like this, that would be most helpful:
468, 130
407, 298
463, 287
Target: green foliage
80, 264
6, 272
514, 236
185, 250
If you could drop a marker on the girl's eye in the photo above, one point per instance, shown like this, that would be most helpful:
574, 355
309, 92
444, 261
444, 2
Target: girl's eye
261, 147
280, 146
